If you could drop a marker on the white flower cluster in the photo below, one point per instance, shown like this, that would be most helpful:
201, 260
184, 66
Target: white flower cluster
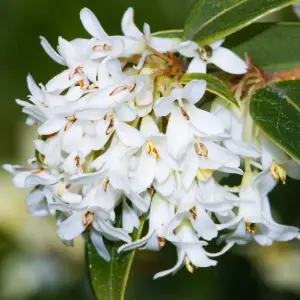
117, 130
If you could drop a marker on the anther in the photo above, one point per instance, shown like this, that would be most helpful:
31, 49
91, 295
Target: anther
130, 87
205, 52
37, 171
77, 159
87, 218
278, 172
189, 265
149, 191
110, 127
105, 184
103, 47
184, 113
193, 212
250, 227
161, 242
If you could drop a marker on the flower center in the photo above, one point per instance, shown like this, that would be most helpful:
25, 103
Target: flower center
152, 150
87, 218
250, 227
206, 52
201, 149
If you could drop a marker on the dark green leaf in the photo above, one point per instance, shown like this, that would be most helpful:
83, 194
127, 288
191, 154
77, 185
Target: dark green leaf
271, 46
214, 85
276, 111
211, 20
109, 279
174, 33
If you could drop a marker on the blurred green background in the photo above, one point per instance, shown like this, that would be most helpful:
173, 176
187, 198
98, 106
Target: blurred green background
34, 264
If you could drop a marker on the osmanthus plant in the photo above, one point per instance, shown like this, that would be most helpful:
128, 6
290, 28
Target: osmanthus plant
129, 134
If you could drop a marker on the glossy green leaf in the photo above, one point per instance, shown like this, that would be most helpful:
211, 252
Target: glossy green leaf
174, 33
211, 20
272, 46
214, 85
276, 111
109, 279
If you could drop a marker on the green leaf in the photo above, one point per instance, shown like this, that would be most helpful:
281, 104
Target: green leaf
109, 279
271, 46
214, 85
276, 111
211, 20
173, 33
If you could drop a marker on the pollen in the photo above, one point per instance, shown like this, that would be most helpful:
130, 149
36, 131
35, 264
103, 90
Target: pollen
152, 150
87, 218
250, 227
278, 172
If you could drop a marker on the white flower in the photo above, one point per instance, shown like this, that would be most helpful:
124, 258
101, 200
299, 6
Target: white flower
254, 219
213, 53
76, 56
153, 150
103, 45
136, 42
190, 250
186, 119
160, 213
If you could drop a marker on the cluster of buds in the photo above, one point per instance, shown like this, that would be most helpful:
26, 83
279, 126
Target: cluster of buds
117, 129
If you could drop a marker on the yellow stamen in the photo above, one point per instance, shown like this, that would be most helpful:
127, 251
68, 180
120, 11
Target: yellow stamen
201, 149
193, 212
151, 149
250, 227
188, 265
278, 172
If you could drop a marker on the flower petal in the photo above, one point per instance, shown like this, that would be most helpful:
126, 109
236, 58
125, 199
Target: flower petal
128, 26
51, 52
228, 61
91, 24
194, 90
